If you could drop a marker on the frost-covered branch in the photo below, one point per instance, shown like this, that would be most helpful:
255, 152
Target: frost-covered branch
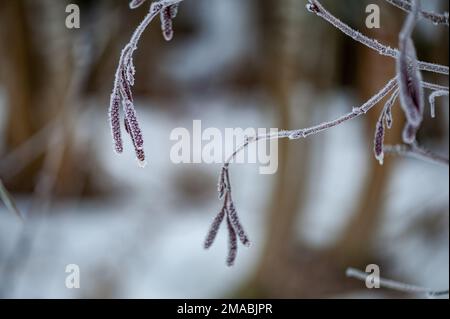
407, 84
314, 6
395, 285
306, 132
385, 119
436, 18
224, 185
124, 79
434, 87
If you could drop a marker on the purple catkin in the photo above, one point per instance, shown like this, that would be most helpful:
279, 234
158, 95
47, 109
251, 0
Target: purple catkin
235, 228
140, 154
212, 233
379, 139
232, 243
166, 24
133, 125
114, 119
385, 119
124, 80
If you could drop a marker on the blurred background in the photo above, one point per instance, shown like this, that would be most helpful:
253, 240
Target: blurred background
138, 233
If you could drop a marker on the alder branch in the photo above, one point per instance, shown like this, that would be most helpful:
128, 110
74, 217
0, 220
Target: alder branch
306, 132
314, 6
434, 87
124, 78
224, 185
436, 18
122, 95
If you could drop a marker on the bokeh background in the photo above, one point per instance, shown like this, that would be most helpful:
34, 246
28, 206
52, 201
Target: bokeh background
138, 233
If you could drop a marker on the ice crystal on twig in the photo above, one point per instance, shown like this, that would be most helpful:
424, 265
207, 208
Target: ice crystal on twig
432, 100
124, 79
385, 119
114, 119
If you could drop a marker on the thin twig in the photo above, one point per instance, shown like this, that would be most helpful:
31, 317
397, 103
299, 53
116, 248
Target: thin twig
224, 185
305, 132
314, 6
436, 18
395, 285
356, 112
434, 87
